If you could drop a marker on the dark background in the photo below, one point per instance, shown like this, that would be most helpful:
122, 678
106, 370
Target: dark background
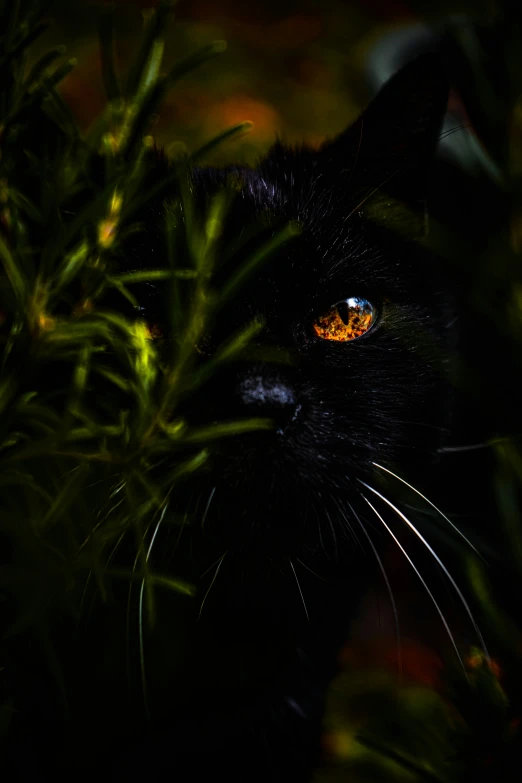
298, 69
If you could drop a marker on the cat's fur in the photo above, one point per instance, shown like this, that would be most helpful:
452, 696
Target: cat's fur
281, 530
260, 643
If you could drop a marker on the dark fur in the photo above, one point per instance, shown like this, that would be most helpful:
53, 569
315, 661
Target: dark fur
252, 684
236, 691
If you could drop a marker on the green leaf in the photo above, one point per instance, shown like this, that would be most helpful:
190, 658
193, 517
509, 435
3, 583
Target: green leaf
150, 101
162, 580
8, 389
39, 93
18, 283
151, 71
95, 210
231, 288
142, 276
71, 266
25, 205
153, 31
113, 377
235, 131
25, 41
42, 64
226, 429
66, 496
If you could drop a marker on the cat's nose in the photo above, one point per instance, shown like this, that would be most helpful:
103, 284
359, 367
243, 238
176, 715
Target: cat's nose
269, 396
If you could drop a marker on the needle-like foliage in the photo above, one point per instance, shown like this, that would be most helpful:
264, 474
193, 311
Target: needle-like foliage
90, 394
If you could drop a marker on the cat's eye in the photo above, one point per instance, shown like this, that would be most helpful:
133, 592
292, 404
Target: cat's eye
346, 320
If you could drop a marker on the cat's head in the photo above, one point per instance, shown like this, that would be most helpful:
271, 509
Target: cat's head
356, 317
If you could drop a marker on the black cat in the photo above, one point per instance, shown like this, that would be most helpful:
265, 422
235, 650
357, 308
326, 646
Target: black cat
361, 329
288, 523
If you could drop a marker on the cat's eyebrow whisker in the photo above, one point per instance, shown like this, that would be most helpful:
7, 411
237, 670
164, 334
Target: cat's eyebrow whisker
381, 467
393, 174
299, 588
370, 194
220, 563
388, 587
451, 131
433, 599
435, 557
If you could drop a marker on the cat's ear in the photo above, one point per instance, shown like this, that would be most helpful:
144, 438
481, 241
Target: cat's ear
399, 129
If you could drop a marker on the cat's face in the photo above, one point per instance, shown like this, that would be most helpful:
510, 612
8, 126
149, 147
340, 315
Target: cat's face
356, 319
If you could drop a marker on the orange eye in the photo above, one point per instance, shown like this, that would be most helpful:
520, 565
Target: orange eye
346, 320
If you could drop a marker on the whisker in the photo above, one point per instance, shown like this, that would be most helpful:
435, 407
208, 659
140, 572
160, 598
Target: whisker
299, 588
100, 522
319, 531
437, 558
473, 446
432, 505
393, 174
312, 572
211, 566
89, 576
334, 537
209, 501
84, 595
160, 520
388, 587
140, 618
371, 193
349, 528
128, 627
142, 651
320, 535
128, 616
118, 489
211, 584
178, 539
410, 561
451, 131
94, 483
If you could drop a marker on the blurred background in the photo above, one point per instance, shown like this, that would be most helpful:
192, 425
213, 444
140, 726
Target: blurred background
301, 69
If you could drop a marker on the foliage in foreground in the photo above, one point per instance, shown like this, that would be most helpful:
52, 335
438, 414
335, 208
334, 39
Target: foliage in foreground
92, 443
